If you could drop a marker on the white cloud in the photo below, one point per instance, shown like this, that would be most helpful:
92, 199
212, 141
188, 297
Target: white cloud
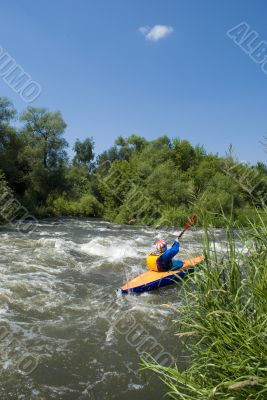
156, 33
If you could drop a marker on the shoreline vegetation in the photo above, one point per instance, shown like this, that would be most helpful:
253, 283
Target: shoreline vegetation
154, 183
222, 321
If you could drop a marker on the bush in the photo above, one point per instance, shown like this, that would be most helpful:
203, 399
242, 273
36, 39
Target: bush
5, 194
86, 206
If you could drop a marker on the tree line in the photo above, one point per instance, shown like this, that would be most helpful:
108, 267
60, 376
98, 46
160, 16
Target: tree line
135, 181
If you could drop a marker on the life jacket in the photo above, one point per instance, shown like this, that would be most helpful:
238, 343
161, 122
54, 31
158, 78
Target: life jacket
151, 262
154, 263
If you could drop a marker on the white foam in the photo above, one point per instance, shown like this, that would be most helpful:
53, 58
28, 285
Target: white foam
135, 386
112, 248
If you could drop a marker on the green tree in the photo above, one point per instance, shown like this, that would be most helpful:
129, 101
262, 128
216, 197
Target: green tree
115, 186
169, 185
10, 148
137, 142
184, 154
78, 181
84, 152
44, 131
5, 193
44, 152
7, 112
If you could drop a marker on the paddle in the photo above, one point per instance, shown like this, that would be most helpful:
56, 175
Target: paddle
188, 225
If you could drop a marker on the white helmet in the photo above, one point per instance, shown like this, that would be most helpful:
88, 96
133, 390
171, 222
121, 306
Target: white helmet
161, 246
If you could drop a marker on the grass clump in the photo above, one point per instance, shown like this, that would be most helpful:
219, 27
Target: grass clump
223, 322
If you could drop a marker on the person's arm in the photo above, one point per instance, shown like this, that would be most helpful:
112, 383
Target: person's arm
169, 254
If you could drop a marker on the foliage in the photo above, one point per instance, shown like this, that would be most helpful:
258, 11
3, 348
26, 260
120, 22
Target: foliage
7, 111
5, 196
43, 154
10, 147
43, 132
86, 206
84, 152
156, 182
78, 181
147, 184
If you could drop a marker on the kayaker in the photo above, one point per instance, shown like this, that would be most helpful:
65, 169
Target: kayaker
161, 259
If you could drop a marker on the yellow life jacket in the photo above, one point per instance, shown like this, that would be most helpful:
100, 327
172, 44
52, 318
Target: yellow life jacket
151, 261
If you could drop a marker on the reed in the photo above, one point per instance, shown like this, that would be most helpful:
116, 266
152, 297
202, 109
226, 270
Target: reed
223, 322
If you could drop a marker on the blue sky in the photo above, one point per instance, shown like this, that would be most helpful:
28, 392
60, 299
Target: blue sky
108, 79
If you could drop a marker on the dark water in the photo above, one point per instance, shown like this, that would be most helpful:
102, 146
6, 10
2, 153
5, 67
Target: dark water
64, 332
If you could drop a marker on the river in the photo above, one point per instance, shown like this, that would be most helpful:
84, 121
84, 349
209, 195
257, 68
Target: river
64, 331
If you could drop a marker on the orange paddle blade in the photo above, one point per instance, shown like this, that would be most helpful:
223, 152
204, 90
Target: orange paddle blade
191, 221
